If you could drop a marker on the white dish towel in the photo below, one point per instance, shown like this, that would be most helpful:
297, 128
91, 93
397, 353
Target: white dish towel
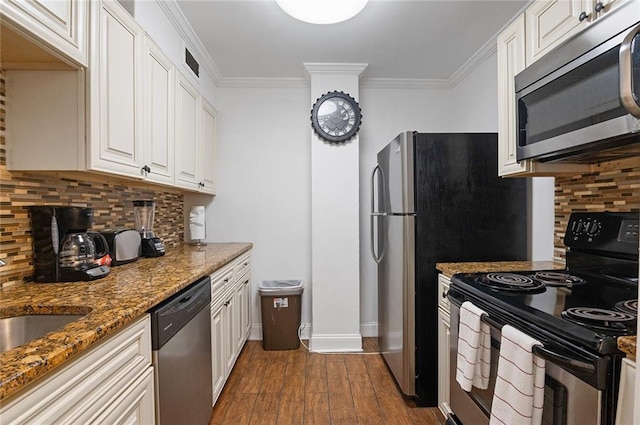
519, 393
474, 348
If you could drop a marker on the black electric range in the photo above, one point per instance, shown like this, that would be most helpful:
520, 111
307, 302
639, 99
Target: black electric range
577, 313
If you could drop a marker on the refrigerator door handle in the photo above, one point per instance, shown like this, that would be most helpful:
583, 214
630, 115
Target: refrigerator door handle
372, 188
373, 214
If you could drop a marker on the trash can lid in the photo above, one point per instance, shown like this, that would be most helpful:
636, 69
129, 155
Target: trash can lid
280, 287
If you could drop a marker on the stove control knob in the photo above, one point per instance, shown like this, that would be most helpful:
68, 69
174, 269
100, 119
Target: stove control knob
592, 228
577, 228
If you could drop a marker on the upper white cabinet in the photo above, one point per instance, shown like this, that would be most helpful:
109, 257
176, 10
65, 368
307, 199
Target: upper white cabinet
116, 91
60, 26
158, 164
510, 55
544, 25
187, 124
195, 138
208, 146
550, 22
129, 114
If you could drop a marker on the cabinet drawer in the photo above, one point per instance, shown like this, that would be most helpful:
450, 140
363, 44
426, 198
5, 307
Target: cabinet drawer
86, 385
443, 287
241, 264
221, 280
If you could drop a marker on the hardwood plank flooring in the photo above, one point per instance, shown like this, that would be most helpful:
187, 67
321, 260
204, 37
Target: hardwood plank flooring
295, 387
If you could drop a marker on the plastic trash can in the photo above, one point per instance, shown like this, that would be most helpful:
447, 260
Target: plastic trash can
280, 303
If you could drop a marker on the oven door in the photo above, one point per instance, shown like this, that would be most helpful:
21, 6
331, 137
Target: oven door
568, 400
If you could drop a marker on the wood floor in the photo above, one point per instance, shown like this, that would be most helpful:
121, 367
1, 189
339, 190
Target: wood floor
298, 387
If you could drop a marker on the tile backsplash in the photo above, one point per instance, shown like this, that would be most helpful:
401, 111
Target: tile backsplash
110, 198
616, 190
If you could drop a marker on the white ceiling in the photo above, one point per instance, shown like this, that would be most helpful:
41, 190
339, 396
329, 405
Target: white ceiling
399, 39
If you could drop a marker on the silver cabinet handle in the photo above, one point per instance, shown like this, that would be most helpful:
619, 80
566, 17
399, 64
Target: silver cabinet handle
626, 73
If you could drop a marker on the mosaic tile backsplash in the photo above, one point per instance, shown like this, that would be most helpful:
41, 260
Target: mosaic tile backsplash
615, 190
109, 197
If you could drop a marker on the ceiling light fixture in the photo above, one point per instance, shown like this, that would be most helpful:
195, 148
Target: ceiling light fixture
322, 11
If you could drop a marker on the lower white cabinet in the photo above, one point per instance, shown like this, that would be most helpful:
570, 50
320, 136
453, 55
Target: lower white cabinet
230, 318
443, 345
626, 396
110, 383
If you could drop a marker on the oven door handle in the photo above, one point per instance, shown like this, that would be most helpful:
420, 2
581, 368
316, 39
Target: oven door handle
546, 354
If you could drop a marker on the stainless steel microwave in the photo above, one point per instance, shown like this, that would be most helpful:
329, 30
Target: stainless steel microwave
581, 101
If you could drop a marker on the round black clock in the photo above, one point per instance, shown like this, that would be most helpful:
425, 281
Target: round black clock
336, 117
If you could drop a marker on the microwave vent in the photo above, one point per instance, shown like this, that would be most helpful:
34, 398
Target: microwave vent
191, 62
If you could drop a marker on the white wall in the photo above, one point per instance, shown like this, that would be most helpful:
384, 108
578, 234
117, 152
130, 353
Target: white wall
264, 176
264, 184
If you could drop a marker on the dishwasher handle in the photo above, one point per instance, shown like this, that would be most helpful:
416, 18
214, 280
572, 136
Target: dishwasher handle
173, 314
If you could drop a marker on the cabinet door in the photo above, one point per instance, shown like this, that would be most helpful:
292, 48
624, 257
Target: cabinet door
159, 86
187, 122
243, 314
626, 395
208, 148
61, 24
232, 329
443, 362
510, 54
218, 351
135, 406
116, 92
550, 22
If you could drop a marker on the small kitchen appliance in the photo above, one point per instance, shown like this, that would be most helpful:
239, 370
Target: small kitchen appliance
581, 101
124, 245
63, 249
576, 313
144, 213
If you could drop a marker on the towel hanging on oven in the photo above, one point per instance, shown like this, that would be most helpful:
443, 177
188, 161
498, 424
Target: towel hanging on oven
474, 349
518, 397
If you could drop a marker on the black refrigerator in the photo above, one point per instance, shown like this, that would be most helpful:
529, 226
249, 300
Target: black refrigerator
435, 198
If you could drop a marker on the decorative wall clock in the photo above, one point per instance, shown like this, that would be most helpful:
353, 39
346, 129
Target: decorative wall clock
336, 117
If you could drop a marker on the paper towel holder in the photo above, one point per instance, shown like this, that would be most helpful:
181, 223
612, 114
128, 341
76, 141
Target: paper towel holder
197, 225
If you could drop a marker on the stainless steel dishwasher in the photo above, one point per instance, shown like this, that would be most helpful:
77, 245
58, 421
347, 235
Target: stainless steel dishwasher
181, 344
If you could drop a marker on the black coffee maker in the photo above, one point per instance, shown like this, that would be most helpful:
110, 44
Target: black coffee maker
63, 249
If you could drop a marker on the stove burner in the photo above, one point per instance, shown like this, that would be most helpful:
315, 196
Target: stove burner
629, 306
558, 279
599, 318
510, 282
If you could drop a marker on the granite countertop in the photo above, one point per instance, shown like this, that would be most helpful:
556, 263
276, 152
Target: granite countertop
449, 269
110, 303
628, 344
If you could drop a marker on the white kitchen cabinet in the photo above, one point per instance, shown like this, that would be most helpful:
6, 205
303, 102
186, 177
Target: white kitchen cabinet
116, 91
187, 124
230, 318
443, 345
511, 46
626, 396
111, 382
195, 138
159, 85
208, 148
550, 22
60, 26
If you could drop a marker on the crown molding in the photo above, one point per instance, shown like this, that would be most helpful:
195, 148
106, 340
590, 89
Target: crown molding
189, 37
405, 83
246, 82
334, 68
484, 53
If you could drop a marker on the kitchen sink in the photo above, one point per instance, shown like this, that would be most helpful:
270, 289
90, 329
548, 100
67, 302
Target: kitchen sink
18, 330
